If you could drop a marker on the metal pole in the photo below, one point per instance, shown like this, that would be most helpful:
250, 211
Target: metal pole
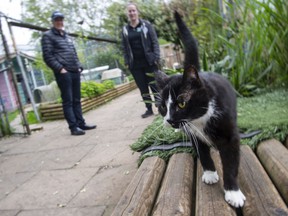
6, 49
32, 75
19, 60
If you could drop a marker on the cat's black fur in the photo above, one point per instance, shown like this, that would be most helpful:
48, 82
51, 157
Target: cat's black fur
197, 91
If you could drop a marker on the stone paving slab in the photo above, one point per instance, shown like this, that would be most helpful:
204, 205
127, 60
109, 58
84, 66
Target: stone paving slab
96, 211
112, 153
9, 182
48, 189
94, 194
52, 173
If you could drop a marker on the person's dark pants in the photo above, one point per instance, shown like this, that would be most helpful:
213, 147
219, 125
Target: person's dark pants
69, 84
144, 79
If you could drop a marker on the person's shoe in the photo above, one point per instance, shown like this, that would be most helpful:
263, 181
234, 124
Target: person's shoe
77, 131
87, 127
147, 114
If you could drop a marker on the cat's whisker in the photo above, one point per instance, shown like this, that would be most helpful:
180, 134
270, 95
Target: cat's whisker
184, 138
191, 136
192, 126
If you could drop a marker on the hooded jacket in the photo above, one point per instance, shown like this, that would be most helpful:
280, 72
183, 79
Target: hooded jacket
149, 42
59, 51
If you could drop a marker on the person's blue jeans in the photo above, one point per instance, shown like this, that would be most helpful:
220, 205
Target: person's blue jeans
70, 88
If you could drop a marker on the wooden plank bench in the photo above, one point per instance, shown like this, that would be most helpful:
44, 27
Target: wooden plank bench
177, 189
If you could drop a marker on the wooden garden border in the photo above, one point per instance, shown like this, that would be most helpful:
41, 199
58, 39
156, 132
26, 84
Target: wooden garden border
49, 111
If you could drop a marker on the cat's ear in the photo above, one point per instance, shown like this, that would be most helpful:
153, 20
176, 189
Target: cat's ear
161, 79
191, 73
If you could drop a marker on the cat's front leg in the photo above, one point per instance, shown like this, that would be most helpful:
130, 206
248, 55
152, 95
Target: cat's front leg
210, 175
230, 161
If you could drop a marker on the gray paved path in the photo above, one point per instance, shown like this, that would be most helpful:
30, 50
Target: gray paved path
52, 173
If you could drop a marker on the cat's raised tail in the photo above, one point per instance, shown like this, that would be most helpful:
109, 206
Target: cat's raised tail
189, 43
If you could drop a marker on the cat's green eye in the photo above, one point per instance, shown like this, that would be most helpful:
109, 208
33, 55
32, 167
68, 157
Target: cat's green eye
182, 105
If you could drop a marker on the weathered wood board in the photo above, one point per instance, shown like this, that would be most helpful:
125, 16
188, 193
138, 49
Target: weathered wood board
274, 158
175, 197
140, 195
210, 198
262, 198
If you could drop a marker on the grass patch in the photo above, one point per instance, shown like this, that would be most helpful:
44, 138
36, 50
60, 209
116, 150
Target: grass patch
267, 112
31, 118
13, 115
157, 134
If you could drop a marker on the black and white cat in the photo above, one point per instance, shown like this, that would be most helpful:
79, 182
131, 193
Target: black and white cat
203, 105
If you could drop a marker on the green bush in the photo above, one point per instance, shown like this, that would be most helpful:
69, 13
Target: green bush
91, 88
31, 118
255, 38
108, 84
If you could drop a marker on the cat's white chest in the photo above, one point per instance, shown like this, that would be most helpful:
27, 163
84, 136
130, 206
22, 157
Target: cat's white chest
198, 125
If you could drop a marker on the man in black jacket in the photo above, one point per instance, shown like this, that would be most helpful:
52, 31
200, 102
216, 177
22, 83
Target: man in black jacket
60, 55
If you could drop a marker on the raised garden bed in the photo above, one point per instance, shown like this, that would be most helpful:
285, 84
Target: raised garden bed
53, 111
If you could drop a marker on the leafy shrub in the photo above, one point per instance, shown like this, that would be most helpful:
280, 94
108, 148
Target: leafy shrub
91, 88
108, 84
255, 40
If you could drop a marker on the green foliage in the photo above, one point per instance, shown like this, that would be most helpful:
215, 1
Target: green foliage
12, 115
255, 38
248, 45
31, 118
91, 88
157, 134
170, 72
89, 11
109, 56
108, 84
4, 125
41, 65
130, 77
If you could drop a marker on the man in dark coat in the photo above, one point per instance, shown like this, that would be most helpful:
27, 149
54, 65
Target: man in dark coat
60, 55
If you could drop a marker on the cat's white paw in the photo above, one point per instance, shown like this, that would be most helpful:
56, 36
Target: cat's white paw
210, 177
235, 198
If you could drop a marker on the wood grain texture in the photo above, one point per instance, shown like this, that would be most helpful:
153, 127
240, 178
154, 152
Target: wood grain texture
274, 158
262, 198
175, 197
210, 198
140, 195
